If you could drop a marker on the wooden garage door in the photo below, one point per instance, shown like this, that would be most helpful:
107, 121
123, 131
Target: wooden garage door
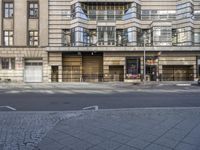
178, 73
92, 68
72, 68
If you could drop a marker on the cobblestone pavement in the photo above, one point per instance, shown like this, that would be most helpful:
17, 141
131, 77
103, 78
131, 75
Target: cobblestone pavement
24, 130
130, 129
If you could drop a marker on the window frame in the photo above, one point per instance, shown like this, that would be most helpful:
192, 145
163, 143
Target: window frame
9, 35
10, 63
32, 9
9, 9
33, 38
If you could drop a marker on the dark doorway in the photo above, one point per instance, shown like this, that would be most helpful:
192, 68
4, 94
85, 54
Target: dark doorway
116, 73
54, 73
151, 72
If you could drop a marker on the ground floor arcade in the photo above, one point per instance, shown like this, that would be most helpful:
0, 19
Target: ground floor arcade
37, 65
122, 66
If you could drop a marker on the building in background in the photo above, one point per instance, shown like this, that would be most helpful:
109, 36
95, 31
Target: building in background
87, 41
23, 40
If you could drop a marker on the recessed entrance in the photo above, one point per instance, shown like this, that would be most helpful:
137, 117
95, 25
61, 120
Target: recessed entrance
116, 73
151, 72
54, 73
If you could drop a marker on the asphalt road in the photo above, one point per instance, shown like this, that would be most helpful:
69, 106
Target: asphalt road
53, 101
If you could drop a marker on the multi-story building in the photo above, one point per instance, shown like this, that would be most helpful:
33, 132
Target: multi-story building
23, 40
94, 41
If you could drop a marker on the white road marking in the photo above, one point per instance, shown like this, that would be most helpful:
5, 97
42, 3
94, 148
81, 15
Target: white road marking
183, 84
12, 92
92, 107
9, 107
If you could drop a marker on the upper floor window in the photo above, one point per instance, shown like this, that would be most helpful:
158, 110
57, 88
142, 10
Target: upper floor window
106, 35
66, 37
158, 14
33, 38
197, 14
162, 36
8, 9
105, 11
184, 10
33, 10
8, 38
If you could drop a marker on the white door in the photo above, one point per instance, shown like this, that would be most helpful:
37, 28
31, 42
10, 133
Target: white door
33, 72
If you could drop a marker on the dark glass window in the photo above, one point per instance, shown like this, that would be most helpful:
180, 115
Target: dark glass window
33, 38
8, 9
162, 36
8, 38
33, 10
7, 63
133, 68
197, 38
106, 35
80, 36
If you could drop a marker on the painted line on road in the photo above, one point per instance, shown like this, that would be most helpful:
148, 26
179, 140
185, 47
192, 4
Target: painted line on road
184, 84
91, 107
9, 107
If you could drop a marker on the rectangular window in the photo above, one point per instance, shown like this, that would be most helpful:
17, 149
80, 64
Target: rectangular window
162, 36
66, 37
8, 38
33, 38
197, 38
133, 68
106, 35
8, 9
33, 10
79, 36
7, 63
185, 36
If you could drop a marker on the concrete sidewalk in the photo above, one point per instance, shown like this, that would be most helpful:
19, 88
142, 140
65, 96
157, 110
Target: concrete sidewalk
130, 129
83, 85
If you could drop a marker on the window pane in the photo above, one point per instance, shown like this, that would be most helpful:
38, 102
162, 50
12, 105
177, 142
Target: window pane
8, 9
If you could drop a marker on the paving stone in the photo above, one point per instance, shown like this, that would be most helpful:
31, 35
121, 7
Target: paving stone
109, 145
80, 145
50, 146
140, 144
156, 147
101, 130
97, 147
56, 135
24, 130
166, 142
175, 134
192, 141
184, 146
121, 138
147, 137
126, 147
69, 140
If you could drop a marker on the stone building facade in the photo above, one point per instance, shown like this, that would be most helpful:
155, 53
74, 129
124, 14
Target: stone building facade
98, 41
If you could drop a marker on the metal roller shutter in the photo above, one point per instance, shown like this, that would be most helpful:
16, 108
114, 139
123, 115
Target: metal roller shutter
33, 71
